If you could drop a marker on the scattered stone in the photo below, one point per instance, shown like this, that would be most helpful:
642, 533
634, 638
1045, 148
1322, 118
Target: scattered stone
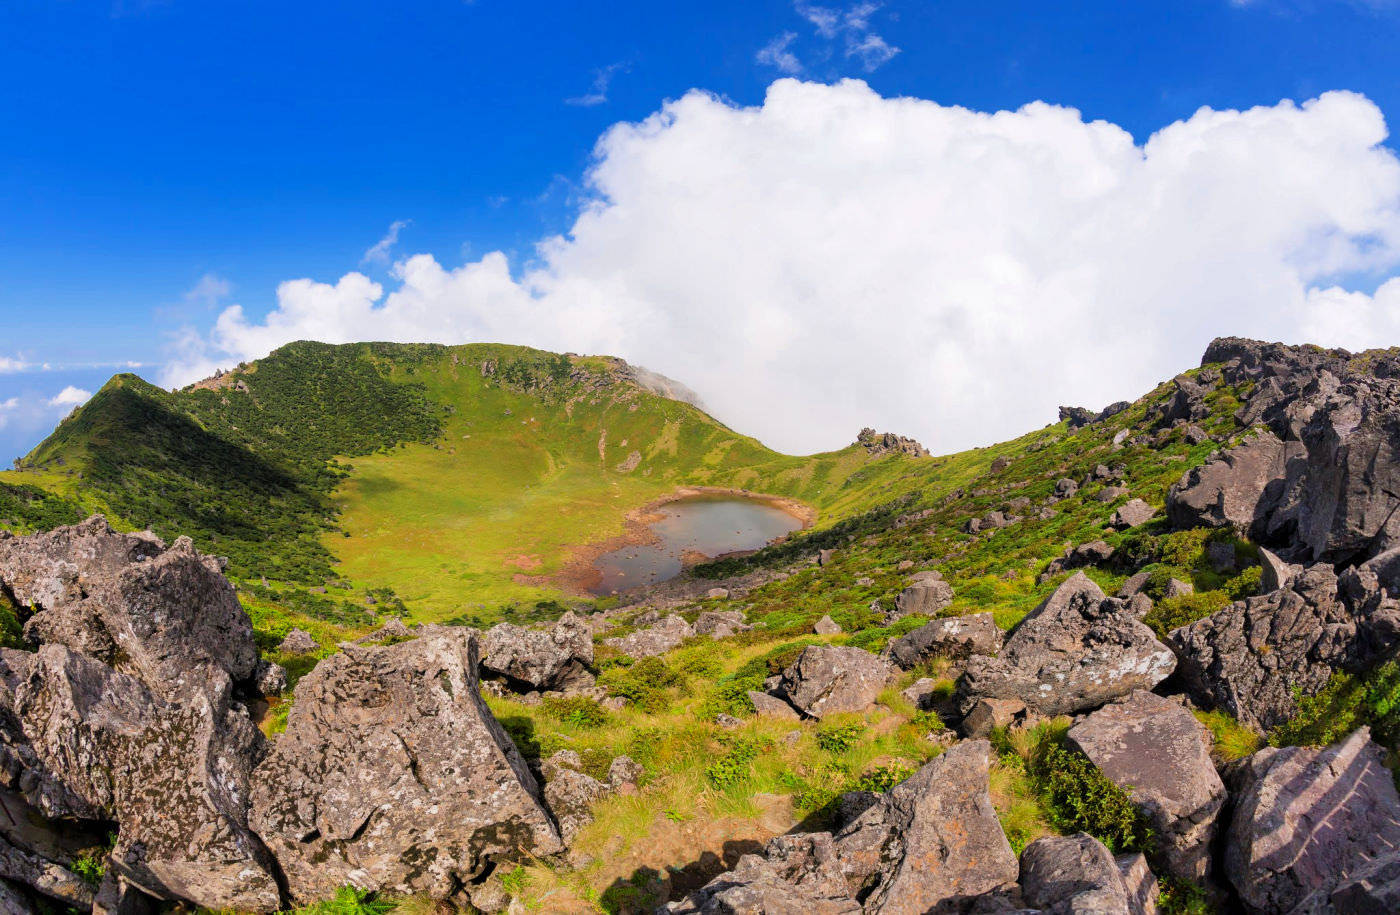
826, 626
1178, 588
989, 714
393, 774
920, 693
720, 623
824, 557
1194, 435
298, 641
954, 637
828, 678
1064, 488
571, 795
625, 774
1076, 651
769, 706
717, 594
904, 565
924, 595
270, 679
654, 640
1221, 557
1131, 514
1305, 819
728, 721
556, 658
1110, 493
1159, 753
796, 874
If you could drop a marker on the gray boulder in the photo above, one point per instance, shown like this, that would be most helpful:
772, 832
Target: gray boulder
571, 794
986, 715
1131, 514
298, 641
1256, 656
394, 775
827, 678
556, 658
720, 623
768, 706
795, 875
826, 626
1159, 753
128, 601
1306, 819
654, 640
104, 745
926, 595
1238, 489
932, 843
955, 637
1076, 651
1077, 875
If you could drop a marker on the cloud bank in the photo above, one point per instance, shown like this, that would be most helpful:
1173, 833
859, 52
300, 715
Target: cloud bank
833, 259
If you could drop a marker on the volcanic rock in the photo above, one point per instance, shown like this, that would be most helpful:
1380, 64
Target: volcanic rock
393, 774
954, 637
828, 678
656, 639
556, 658
1076, 651
1306, 819
1159, 753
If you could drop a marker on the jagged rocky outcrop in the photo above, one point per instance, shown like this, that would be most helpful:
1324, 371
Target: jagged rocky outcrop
1307, 820
1076, 651
1323, 482
1257, 656
1159, 753
878, 444
393, 773
556, 658
128, 709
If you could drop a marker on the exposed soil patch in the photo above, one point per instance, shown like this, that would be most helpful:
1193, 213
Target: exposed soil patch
581, 576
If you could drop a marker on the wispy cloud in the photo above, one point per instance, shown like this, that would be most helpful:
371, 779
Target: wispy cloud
13, 365
777, 53
209, 291
850, 28
602, 82
378, 253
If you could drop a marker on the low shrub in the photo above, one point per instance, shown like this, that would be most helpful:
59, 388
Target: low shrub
737, 763
1174, 612
1079, 798
348, 900
647, 683
579, 711
838, 738
1347, 702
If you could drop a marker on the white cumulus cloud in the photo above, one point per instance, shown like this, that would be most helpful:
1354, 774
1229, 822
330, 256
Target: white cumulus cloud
70, 397
833, 259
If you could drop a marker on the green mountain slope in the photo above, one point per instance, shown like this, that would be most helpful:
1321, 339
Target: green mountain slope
459, 478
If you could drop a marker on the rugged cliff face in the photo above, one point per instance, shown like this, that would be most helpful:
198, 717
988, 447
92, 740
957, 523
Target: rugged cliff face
1042, 685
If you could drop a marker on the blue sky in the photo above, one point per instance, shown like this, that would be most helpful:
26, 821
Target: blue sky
160, 159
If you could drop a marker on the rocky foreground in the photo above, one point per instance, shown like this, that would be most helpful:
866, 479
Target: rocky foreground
128, 734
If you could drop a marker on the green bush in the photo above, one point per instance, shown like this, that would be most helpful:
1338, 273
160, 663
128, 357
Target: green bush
1345, 704
91, 868
1245, 584
838, 738
1079, 798
882, 778
646, 684
579, 711
348, 900
1174, 612
737, 763
1180, 897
